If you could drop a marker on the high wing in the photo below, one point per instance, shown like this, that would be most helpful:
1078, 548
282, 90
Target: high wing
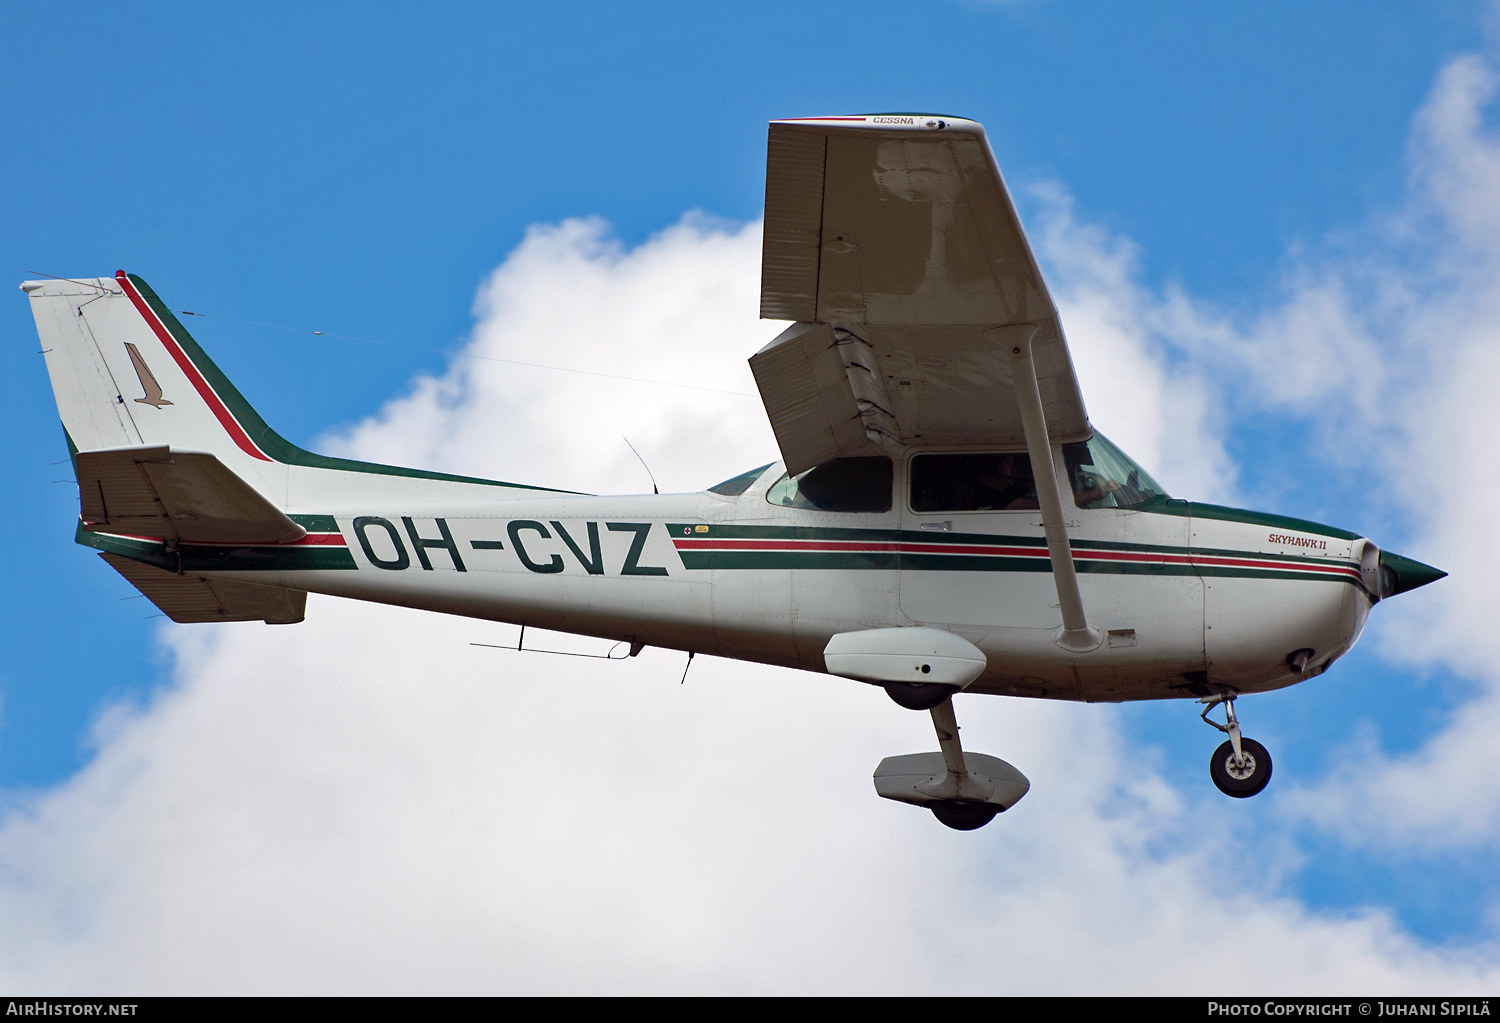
892, 241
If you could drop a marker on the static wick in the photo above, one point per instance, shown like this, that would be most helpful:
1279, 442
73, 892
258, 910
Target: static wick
685, 667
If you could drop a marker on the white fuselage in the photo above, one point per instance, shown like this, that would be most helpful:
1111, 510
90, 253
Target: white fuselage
1190, 598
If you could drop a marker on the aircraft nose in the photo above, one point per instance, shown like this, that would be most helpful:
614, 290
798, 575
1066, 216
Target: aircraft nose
1398, 574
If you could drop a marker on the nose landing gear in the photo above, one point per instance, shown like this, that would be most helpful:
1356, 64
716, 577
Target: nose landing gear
1240, 767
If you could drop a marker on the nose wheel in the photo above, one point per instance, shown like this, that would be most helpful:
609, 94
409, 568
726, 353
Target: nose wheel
1240, 767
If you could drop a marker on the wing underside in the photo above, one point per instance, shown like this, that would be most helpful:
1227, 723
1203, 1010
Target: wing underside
894, 244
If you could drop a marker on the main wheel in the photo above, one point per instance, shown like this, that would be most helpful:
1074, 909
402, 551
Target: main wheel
919, 695
1246, 778
961, 815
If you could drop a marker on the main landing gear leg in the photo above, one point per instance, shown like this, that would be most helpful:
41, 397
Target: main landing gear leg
960, 814
957, 812
1240, 767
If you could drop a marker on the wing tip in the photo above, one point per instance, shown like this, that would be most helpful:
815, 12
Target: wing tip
898, 121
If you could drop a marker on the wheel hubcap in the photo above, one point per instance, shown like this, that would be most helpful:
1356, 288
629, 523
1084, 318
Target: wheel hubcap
1240, 769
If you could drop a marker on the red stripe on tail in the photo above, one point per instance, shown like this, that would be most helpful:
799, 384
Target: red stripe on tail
205, 390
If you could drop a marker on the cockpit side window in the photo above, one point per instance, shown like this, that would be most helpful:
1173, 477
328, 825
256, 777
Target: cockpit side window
972, 482
860, 484
1103, 476
737, 485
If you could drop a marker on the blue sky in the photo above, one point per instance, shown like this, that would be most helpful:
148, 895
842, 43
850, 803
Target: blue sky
363, 169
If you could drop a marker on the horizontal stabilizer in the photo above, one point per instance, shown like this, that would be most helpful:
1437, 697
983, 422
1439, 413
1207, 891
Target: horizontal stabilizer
175, 495
192, 598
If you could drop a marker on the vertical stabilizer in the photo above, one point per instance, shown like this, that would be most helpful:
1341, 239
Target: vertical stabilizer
127, 374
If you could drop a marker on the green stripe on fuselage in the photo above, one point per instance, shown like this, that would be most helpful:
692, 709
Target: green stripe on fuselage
863, 560
316, 523
1221, 513
687, 531
201, 558
937, 561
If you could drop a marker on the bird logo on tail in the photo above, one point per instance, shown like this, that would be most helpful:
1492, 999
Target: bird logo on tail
148, 380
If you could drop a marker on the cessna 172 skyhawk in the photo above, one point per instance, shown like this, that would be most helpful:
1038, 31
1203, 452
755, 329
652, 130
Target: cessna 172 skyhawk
944, 519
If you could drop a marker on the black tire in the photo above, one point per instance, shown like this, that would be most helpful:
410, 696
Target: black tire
1246, 780
918, 695
962, 815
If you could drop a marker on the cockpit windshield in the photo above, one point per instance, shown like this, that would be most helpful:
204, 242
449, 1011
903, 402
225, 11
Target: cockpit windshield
737, 485
1103, 476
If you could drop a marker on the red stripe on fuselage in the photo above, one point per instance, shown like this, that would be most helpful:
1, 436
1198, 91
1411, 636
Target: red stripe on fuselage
996, 550
205, 390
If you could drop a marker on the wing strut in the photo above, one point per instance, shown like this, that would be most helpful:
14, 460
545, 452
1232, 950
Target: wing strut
1076, 634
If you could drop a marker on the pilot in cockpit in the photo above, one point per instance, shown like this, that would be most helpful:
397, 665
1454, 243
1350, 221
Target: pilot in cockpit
1088, 488
1002, 483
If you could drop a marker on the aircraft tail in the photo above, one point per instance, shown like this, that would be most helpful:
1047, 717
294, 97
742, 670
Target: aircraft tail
168, 454
127, 374
171, 458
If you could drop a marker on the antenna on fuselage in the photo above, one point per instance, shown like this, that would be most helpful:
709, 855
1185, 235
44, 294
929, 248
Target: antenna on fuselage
637, 454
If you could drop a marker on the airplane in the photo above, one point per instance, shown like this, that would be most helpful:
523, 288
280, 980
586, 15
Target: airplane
944, 518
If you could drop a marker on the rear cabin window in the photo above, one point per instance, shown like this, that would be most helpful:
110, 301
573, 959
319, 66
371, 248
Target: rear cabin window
972, 482
861, 484
739, 484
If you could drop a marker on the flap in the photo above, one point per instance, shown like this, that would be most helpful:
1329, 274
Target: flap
175, 495
807, 394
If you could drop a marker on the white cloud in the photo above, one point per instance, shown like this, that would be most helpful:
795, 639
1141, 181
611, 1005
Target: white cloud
1384, 346
1435, 312
366, 803
1137, 394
